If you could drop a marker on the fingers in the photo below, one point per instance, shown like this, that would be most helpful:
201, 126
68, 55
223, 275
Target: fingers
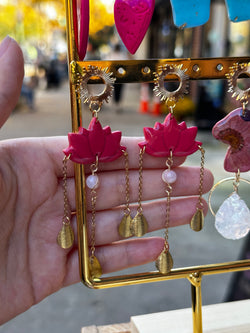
118, 256
54, 147
11, 76
181, 212
111, 191
129, 253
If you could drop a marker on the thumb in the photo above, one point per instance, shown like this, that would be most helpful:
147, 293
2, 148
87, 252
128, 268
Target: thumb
11, 76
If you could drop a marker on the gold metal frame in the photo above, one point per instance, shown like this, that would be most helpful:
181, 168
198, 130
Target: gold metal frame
128, 72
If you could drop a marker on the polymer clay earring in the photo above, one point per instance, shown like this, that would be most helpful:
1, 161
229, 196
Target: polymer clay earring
94, 145
190, 13
232, 220
80, 9
170, 139
132, 19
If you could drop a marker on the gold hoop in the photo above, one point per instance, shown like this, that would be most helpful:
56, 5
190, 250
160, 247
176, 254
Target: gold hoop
95, 101
219, 183
234, 72
164, 94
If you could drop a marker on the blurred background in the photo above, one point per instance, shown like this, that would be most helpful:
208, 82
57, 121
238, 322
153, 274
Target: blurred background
44, 110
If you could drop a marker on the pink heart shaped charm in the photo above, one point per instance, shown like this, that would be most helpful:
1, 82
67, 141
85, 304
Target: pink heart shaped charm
132, 19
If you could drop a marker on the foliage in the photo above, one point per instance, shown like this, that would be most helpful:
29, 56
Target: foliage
34, 19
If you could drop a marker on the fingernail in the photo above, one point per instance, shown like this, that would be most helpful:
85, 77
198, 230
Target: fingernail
4, 45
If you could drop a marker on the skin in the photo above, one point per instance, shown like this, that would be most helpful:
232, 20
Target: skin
32, 265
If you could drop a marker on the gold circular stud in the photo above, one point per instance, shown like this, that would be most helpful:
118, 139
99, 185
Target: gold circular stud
159, 88
234, 74
95, 101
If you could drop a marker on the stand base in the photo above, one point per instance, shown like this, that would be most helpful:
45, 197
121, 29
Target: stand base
230, 317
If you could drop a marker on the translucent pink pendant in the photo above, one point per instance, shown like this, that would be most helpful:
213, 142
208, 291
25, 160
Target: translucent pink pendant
132, 19
234, 130
88, 144
81, 25
170, 137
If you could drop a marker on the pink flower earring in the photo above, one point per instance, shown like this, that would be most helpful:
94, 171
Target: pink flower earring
232, 220
171, 139
92, 146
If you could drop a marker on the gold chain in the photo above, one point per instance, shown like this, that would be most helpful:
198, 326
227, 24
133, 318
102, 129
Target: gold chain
126, 209
142, 151
66, 219
200, 203
168, 190
93, 222
94, 168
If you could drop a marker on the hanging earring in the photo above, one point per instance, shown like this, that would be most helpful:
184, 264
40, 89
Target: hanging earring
170, 139
139, 223
232, 220
94, 145
132, 19
125, 229
65, 237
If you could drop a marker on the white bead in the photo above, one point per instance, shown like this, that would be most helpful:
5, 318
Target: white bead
92, 182
169, 176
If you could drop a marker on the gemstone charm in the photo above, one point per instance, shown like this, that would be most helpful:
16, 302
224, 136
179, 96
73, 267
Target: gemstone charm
169, 176
92, 182
232, 220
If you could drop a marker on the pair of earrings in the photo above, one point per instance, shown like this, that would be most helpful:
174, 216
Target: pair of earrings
232, 220
97, 144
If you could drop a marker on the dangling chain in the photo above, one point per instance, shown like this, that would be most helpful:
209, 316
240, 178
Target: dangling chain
200, 203
94, 168
66, 218
168, 190
126, 209
142, 151
65, 238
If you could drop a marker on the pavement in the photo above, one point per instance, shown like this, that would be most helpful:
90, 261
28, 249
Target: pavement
76, 306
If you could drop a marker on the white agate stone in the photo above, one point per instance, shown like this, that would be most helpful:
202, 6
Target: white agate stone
233, 218
92, 182
169, 176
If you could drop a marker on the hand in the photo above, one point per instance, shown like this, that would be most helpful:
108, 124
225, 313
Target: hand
31, 208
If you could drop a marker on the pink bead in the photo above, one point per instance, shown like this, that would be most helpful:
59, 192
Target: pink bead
92, 182
169, 176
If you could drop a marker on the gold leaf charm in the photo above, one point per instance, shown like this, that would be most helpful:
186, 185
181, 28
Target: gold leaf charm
65, 237
95, 267
197, 221
164, 262
139, 225
125, 226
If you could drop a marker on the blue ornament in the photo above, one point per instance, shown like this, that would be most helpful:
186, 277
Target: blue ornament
238, 10
191, 13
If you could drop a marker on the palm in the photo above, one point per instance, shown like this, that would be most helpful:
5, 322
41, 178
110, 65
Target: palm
32, 208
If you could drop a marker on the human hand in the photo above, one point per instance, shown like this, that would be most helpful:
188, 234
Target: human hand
32, 264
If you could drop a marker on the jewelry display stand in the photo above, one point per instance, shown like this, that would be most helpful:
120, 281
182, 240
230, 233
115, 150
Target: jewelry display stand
130, 71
